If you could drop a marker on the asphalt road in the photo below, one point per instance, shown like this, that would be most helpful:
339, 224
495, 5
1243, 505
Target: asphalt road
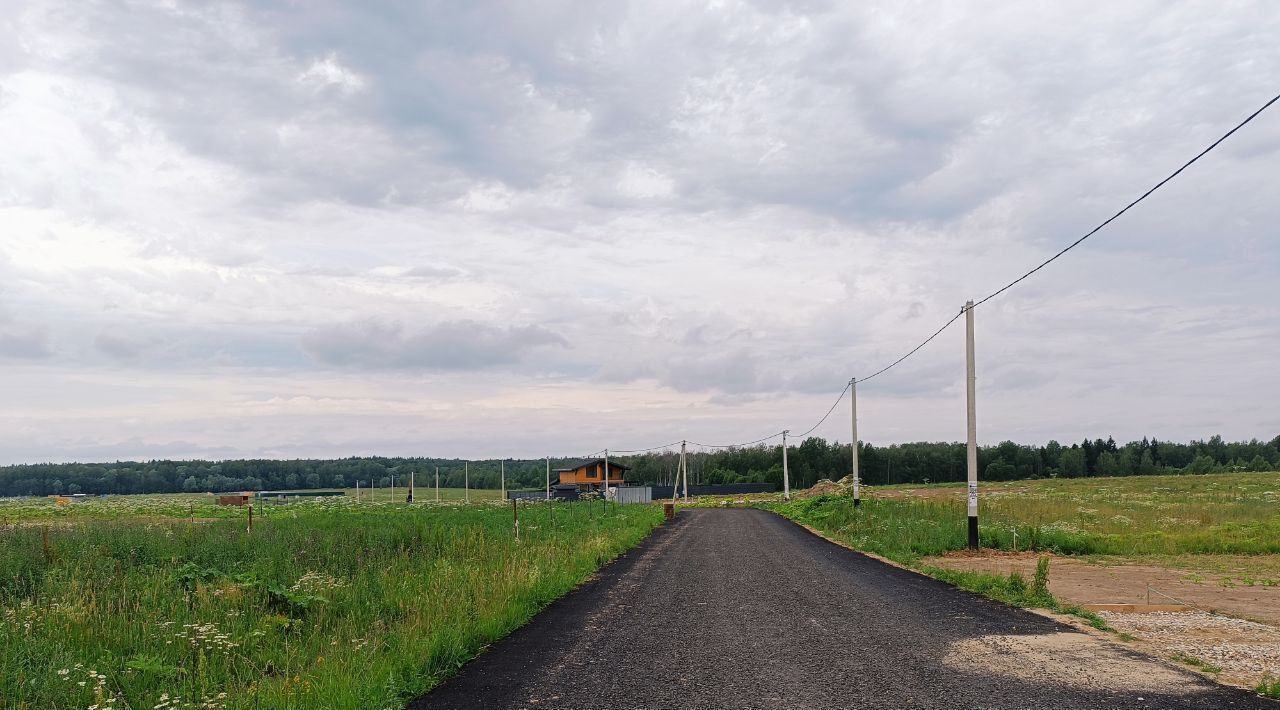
743, 609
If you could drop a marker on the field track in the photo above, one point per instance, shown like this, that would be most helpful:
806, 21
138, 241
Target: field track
743, 609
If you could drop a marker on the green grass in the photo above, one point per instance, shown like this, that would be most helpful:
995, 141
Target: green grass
1196, 663
325, 603
1226, 514
199, 505
1228, 521
1269, 687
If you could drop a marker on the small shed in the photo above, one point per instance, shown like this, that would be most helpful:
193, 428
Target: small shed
238, 499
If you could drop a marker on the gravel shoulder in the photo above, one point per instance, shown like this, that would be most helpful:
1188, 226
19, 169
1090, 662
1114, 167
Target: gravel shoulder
741, 608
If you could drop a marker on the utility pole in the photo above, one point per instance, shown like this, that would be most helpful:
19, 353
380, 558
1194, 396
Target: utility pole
684, 469
393, 488
411, 486
502, 468
548, 478
437, 484
786, 475
606, 475
357, 490
466, 480
971, 381
853, 400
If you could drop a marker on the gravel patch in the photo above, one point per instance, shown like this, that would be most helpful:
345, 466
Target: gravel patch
1244, 649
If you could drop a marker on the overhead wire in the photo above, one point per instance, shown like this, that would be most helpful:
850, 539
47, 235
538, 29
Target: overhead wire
737, 446
824, 416
1127, 207
640, 451
999, 291
1077, 242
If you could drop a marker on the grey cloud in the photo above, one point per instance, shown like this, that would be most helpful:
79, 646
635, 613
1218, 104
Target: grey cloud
118, 346
25, 343
433, 273
454, 345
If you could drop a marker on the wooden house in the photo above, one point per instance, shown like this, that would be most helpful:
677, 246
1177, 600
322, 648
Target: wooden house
589, 475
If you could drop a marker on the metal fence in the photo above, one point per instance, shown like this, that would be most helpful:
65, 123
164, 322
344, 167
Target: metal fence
720, 489
633, 494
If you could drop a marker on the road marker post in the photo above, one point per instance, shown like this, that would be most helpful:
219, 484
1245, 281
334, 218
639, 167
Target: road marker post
786, 475
684, 469
853, 447
466, 481
971, 380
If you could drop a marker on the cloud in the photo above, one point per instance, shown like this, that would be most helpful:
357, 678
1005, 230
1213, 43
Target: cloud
532, 214
30, 343
455, 345
433, 273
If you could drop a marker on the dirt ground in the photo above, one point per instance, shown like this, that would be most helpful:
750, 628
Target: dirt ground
1240, 640
1081, 582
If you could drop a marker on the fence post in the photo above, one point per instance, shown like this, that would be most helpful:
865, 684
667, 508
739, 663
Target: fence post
786, 475
515, 518
853, 399
466, 481
971, 397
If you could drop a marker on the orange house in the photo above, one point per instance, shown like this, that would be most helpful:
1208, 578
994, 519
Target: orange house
589, 475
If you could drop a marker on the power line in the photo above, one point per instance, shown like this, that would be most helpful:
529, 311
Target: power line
1144, 196
1088, 234
824, 416
640, 451
936, 333
736, 446
1001, 290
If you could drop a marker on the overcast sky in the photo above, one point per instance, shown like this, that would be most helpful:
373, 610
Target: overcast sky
478, 229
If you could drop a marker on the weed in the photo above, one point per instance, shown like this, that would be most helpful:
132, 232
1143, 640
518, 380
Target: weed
1270, 687
1196, 663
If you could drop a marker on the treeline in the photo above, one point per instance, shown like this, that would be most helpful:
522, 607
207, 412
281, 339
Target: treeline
808, 461
935, 462
122, 477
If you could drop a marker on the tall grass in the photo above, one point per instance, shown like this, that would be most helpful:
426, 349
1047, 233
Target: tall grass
323, 604
1150, 515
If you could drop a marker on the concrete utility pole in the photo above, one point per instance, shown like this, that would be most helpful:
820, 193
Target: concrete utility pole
684, 469
437, 484
786, 475
466, 480
548, 478
411, 486
971, 382
357, 490
853, 400
502, 468
606, 474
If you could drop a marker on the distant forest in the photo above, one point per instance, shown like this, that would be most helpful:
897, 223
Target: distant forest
808, 461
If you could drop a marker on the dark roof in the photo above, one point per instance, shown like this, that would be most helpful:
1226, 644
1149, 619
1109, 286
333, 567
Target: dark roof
592, 462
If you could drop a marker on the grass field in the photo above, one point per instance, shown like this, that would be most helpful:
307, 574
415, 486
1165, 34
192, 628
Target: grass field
125, 603
1223, 514
1219, 521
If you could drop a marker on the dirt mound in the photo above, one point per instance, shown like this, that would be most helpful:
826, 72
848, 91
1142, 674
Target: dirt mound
826, 487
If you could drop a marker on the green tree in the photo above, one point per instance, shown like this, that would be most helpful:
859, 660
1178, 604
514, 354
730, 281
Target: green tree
1072, 463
